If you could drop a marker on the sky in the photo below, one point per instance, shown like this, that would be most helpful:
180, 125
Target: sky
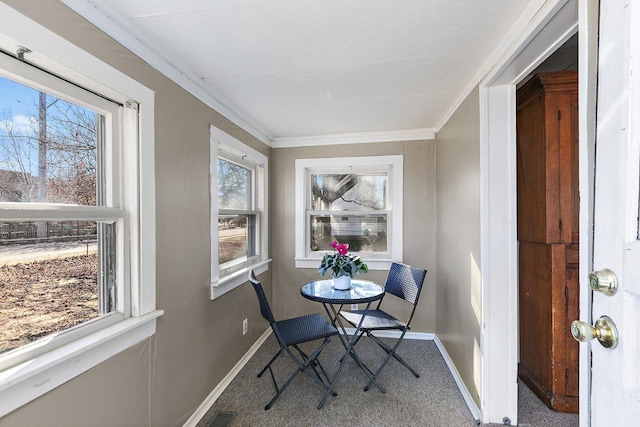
19, 113
18, 104
16, 99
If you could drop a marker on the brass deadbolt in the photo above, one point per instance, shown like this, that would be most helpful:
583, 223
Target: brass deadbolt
604, 281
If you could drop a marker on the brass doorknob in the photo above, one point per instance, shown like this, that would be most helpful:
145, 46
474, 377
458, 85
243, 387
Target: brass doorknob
604, 281
604, 330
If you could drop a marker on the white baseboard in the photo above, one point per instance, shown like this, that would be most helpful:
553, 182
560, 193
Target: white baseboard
475, 411
213, 396
425, 336
222, 385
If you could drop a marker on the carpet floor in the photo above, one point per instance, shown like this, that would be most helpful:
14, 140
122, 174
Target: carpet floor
431, 400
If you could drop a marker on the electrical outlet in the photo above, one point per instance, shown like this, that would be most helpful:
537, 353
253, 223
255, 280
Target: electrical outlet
354, 307
245, 326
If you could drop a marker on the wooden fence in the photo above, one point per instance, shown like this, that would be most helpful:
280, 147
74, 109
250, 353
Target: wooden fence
27, 232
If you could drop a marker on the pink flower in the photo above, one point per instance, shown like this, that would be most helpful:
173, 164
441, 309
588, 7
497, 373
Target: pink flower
341, 248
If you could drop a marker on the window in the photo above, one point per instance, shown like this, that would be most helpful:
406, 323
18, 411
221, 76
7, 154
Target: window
354, 200
56, 274
77, 225
238, 212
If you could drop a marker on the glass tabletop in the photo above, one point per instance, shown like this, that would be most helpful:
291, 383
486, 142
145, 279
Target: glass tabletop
361, 291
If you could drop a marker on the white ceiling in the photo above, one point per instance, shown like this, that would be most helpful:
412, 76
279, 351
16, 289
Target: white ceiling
290, 69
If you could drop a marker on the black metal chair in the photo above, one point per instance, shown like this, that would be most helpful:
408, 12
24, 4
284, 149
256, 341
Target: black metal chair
291, 333
404, 282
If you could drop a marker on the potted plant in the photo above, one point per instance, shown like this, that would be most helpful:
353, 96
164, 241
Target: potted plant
343, 265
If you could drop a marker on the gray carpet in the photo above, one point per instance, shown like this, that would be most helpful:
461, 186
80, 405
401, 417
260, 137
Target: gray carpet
431, 400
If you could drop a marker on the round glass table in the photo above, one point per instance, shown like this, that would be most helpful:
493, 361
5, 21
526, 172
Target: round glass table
361, 292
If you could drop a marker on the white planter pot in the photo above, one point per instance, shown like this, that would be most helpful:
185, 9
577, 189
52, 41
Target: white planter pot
342, 282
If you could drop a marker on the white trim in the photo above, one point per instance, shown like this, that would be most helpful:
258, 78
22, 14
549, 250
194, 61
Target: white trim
423, 336
113, 24
498, 238
355, 138
204, 407
587, 83
475, 411
555, 26
509, 42
65, 58
236, 279
33, 378
396, 182
220, 140
26, 381
550, 26
372, 263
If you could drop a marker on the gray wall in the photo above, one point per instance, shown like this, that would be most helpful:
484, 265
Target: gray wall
162, 380
419, 223
458, 241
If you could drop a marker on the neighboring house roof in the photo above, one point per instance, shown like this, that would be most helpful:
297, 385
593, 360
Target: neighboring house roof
15, 186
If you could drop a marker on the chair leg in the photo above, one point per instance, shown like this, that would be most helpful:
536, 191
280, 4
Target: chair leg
390, 352
270, 362
354, 344
308, 362
279, 392
273, 378
394, 353
315, 363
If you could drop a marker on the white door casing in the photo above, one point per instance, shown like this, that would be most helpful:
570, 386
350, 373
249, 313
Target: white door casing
615, 388
551, 25
587, 84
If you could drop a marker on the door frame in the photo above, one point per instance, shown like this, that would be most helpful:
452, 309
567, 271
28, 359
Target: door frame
553, 24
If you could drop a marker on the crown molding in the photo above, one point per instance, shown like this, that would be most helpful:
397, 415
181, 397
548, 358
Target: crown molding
113, 24
536, 14
355, 138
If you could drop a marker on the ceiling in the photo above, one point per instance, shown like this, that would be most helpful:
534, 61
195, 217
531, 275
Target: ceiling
295, 69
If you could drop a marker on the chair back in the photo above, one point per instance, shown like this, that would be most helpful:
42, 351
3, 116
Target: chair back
405, 282
265, 309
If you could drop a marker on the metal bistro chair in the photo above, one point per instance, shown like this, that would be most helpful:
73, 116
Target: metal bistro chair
404, 282
291, 333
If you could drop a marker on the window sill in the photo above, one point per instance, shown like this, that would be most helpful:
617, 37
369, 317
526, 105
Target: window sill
31, 379
373, 264
237, 278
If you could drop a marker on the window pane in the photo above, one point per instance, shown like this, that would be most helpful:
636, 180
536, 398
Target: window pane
48, 147
363, 233
49, 285
348, 192
234, 186
236, 237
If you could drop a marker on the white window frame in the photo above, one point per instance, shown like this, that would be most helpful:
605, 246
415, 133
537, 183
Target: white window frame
224, 145
136, 318
304, 258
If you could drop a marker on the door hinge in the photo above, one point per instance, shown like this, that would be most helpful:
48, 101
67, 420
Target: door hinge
566, 374
559, 115
560, 223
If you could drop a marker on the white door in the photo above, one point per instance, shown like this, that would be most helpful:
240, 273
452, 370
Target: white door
615, 387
